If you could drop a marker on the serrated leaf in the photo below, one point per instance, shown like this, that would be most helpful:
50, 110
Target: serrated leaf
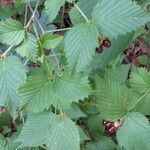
134, 133
65, 134
13, 145
50, 41
140, 80
12, 75
28, 48
112, 98
86, 7
118, 74
34, 125
52, 8
61, 92
11, 32
57, 132
115, 17
80, 44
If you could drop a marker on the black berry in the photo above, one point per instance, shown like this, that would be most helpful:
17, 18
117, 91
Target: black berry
99, 49
106, 43
34, 64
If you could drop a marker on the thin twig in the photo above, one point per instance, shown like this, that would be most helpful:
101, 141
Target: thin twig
36, 19
26, 14
87, 20
33, 15
55, 55
62, 17
143, 96
26, 62
58, 30
43, 32
56, 59
9, 48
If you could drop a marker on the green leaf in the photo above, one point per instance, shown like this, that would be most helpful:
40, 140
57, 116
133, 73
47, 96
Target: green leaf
57, 132
13, 145
7, 12
143, 59
3, 143
52, 8
144, 106
86, 7
119, 17
11, 32
65, 134
103, 143
12, 75
40, 92
118, 74
140, 80
28, 48
80, 44
112, 98
83, 136
134, 133
144, 2
39, 125
50, 41
95, 125
74, 112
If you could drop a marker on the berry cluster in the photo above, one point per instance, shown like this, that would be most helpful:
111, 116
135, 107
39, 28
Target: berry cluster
111, 127
34, 64
103, 42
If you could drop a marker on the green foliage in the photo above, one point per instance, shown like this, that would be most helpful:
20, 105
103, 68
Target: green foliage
12, 75
28, 47
57, 132
50, 41
86, 7
53, 6
140, 80
67, 79
135, 132
112, 98
81, 38
119, 17
11, 32
103, 143
60, 92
